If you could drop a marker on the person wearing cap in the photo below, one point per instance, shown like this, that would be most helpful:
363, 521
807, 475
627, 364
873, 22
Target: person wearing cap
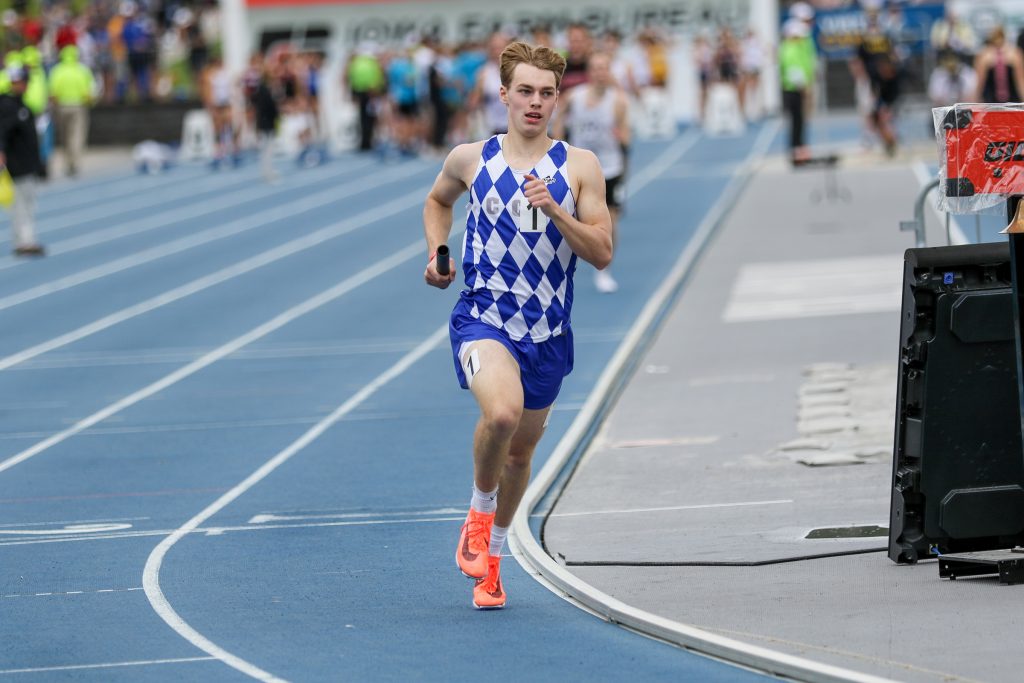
19, 153
366, 82
804, 13
796, 70
38, 99
71, 88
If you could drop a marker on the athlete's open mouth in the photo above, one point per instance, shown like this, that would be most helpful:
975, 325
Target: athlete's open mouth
533, 115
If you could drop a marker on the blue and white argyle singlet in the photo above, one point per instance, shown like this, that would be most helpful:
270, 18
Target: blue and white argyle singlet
519, 282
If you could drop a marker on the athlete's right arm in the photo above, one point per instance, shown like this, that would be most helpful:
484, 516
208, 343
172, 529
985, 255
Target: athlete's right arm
451, 183
561, 112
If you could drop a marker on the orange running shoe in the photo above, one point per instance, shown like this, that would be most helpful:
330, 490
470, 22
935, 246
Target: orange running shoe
489, 593
474, 544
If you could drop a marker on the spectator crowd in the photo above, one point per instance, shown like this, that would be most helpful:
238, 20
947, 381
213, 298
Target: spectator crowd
139, 51
427, 95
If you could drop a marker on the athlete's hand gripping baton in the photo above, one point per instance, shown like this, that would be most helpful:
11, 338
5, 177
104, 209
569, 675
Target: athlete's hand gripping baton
441, 260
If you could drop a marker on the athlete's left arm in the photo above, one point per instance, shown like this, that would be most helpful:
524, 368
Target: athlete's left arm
589, 233
622, 119
561, 112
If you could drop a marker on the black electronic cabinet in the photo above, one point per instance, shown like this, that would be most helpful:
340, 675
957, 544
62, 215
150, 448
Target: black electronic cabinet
958, 463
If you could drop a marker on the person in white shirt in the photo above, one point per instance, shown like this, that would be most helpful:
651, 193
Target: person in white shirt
595, 116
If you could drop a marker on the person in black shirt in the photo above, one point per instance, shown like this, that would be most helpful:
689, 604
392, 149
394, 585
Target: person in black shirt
265, 114
19, 152
876, 57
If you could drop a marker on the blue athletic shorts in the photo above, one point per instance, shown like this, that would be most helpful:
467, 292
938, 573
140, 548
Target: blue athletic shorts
541, 366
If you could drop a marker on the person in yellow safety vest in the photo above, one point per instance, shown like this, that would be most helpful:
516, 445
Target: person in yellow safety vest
37, 99
11, 59
71, 89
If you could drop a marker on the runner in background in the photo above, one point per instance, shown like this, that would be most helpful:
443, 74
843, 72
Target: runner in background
215, 88
596, 116
485, 100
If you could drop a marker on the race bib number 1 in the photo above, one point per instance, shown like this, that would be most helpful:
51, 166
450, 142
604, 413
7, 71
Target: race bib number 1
532, 219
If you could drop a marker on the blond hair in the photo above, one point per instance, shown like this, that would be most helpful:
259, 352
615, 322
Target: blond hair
522, 53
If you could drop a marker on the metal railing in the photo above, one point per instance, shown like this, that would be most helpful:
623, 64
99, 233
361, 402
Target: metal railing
917, 223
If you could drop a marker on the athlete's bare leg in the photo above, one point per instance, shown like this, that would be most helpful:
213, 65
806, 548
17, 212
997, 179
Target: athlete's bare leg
499, 393
506, 434
516, 476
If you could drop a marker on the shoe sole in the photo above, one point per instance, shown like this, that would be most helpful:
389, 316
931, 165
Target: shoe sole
469, 576
489, 607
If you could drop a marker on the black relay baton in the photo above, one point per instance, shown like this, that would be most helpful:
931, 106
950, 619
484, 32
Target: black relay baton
441, 260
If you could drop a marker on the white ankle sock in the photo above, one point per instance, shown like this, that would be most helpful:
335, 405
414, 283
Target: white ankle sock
498, 534
484, 501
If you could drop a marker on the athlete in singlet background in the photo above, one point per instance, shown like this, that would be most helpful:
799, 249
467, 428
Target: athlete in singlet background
535, 205
485, 98
596, 115
216, 90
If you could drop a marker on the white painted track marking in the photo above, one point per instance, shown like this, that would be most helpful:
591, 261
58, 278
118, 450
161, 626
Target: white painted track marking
311, 304
823, 287
199, 284
158, 195
151, 572
707, 506
70, 529
108, 665
86, 592
151, 356
217, 531
263, 218
171, 219
74, 521
264, 518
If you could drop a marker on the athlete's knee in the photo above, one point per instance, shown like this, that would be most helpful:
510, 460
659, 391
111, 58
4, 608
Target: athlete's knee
503, 419
519, 461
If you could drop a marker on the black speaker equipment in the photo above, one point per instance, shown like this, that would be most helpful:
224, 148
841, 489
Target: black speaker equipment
958, 463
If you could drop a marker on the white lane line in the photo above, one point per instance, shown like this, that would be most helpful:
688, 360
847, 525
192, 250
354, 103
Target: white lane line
101, 590
275, 323
74, 521
90, 359
264, 518
630, 511
69, 529
146, 198
57, 201
106, 665
220, 530
281, 212
661, 164
199, 284
173, 217
151, 572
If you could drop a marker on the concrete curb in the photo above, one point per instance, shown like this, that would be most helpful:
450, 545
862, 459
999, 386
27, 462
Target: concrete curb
529, 553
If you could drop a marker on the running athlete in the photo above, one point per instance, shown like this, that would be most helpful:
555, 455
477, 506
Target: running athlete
535, 205
596, 115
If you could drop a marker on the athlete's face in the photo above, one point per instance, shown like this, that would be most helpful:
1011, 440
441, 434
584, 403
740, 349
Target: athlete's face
530, 98
599, 70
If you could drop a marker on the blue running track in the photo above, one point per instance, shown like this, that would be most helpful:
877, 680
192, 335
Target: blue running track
233, 446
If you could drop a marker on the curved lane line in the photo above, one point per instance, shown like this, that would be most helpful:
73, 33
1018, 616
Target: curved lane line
559, 580
151, 573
